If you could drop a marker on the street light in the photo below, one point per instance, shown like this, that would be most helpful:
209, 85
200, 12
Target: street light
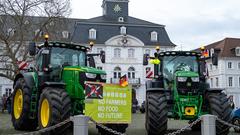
46, 40
91, 43
157, 48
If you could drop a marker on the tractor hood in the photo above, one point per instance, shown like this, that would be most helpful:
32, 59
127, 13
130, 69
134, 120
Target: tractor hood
186, 74
86, 70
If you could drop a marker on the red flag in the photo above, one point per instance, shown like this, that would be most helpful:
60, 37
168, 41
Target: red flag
123, 81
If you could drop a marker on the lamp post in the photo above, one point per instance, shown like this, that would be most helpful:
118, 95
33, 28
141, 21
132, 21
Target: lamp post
91, 44
46, 36
157, 48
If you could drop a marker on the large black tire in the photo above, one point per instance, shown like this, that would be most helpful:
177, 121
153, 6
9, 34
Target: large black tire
22, 121
156, 113
117, 127
59, 109
220, 107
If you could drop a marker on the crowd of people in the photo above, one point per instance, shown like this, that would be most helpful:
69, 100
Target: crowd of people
6, 103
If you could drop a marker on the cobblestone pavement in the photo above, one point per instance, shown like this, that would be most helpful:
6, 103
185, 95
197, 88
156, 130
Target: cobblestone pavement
136, 128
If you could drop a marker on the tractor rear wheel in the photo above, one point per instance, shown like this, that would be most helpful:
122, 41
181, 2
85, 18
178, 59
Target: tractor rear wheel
156, 113
54, 107
220, 107
116, 127
21, 107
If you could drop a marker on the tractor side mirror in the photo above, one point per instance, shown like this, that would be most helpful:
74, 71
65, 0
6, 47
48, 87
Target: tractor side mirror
145, 59
102, 56
215, 59
91, 61
32, 48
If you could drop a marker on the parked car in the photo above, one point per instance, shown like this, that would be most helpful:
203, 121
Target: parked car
142, 107
236, 119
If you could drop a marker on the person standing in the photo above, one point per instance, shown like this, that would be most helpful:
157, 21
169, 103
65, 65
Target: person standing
3, 103
9, 103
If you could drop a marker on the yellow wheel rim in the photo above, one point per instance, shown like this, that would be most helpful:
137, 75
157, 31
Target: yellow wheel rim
18, 104
45, 113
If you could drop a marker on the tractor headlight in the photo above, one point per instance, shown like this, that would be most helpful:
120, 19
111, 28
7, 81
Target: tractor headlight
182, 79
195, 79
104, 77
90, 75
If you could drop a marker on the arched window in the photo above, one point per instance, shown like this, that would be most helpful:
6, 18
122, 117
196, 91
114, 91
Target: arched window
117, 72
131, 53
154, 36
123, 30
92, 34
148, 51
131, 72
117, 53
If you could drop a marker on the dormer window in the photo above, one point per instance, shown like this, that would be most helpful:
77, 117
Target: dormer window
211, 52
237, 51
65, 34
38, 32
120, 19
154, 36
11, 32
26, 22
51, 23
123, 30
92, 34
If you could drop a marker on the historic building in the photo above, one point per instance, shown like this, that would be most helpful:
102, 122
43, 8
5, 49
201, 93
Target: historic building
227, 74
124, 39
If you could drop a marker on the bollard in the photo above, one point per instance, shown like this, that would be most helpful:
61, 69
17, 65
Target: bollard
208, 125
80, 125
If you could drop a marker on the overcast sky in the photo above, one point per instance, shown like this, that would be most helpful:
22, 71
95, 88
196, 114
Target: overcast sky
189, 23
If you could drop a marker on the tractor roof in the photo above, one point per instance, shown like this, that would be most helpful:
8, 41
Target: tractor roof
64, 45
179, 53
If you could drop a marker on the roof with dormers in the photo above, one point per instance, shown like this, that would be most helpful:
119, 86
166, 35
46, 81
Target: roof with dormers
226, 47
107, 28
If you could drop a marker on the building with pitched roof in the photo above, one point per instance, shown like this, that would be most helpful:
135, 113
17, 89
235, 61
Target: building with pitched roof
226, 74
124, 39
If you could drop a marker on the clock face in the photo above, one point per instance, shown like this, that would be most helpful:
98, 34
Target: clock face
117, 8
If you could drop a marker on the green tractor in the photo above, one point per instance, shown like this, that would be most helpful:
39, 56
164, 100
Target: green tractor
53, 90
180, 90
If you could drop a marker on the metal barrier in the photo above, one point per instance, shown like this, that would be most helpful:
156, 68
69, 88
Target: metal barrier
80, 124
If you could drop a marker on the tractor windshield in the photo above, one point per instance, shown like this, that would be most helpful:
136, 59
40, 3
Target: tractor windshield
67, 57
171, 64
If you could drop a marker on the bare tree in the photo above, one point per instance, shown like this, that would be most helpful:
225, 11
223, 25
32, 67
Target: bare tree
22, 21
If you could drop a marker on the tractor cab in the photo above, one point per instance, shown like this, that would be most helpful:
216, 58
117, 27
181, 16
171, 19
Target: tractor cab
54, 57
180, 69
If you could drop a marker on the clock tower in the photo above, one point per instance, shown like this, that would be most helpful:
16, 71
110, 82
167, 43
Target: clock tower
115, 9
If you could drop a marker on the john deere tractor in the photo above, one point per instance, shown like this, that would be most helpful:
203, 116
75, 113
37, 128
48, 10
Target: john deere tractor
53, 89
180, 90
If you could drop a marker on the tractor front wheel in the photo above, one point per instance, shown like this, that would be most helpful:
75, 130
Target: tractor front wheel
156, 113
220, 107
54, 107
21, 107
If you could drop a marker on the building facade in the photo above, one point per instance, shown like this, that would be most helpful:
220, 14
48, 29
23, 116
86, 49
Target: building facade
124, 39
227, 74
